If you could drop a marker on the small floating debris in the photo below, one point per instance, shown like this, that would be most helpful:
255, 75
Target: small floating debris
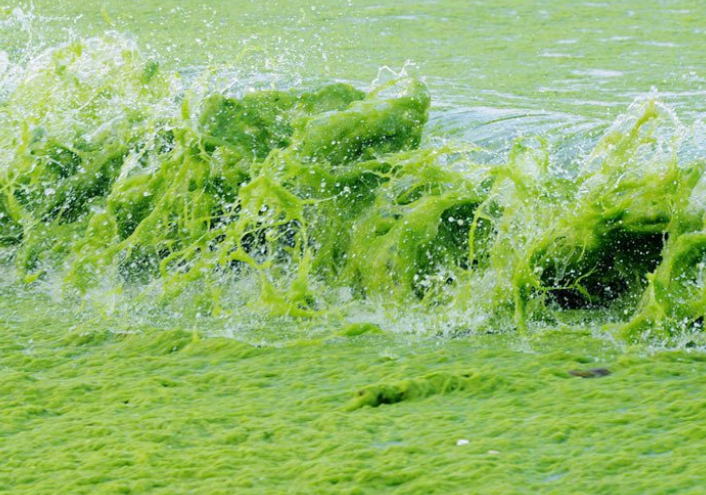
462, 441
592, 373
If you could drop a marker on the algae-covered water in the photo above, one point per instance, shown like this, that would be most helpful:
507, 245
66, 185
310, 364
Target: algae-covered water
351, 247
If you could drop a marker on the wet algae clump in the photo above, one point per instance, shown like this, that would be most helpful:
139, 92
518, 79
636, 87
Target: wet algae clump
114, 174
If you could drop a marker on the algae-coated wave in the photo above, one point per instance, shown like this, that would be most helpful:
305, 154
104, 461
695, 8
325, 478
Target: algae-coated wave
113, 172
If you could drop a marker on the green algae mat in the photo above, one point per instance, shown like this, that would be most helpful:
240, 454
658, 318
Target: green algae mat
352, 248
168, 412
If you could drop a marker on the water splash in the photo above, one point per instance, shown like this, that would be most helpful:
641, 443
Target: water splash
122, 180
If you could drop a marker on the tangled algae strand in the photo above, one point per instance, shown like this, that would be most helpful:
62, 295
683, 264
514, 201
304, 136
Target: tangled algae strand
107, 177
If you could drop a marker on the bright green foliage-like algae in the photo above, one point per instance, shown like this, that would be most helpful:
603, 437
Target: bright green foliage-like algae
131, 182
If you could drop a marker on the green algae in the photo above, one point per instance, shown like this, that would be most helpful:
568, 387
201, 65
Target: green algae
674, 299
433, 384
262, 121
307, 192
356, 329
162, 411
160, 200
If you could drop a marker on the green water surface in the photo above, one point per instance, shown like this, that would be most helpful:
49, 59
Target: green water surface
587, 59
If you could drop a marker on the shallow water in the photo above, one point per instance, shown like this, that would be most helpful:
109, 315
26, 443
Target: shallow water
317, 373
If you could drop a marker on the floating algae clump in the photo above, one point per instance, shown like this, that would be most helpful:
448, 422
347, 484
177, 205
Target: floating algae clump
367, 128
437, 383
259, 122
113, 173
